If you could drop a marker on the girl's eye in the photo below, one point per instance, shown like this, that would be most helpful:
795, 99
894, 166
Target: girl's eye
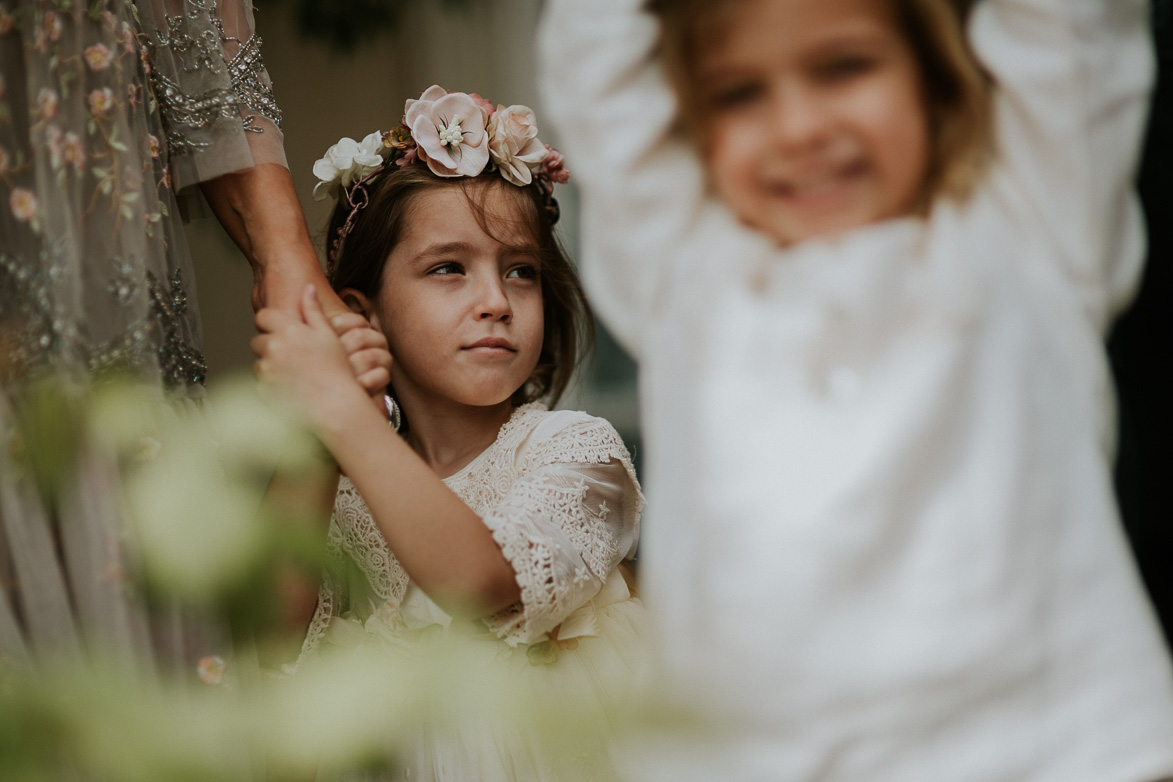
736, 95
844, 67
523, 272
446, 268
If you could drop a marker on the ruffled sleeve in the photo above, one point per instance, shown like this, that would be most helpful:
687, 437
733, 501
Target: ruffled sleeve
565, 526
212, 88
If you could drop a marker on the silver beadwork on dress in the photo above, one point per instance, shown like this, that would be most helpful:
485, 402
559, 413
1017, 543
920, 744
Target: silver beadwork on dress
202, 50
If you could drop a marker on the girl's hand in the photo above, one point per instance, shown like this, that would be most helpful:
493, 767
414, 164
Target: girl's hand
305, 360
366, 349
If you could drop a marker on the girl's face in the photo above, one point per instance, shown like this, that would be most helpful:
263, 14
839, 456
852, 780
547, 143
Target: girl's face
462, 311
817, 120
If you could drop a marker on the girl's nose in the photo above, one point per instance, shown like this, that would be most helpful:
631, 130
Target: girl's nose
494, 302
797, 120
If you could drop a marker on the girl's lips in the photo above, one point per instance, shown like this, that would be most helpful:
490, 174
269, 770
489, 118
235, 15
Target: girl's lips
493, 343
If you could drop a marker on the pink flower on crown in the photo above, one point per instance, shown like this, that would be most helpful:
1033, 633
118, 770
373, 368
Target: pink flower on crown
449, 128
23, 204
485, 104
409, 157
101, 100
553, 168
98, 57
514, 145
153, 145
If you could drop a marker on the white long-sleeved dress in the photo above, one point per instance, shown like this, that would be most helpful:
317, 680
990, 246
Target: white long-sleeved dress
883, 543
558, 492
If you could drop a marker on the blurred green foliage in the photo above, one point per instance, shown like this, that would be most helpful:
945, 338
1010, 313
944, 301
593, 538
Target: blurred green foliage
220, 499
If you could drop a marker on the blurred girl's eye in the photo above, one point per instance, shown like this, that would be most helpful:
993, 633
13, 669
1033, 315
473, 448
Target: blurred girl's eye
525, 271
844, 67
735, 95
451, 267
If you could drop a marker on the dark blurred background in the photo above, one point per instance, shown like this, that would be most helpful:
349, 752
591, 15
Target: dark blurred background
1142, 354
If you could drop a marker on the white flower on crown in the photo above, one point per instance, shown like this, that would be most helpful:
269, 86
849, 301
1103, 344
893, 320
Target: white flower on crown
347, 162
514, 145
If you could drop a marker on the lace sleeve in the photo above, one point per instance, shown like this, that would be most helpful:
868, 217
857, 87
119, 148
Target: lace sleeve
211, 86
564, 527
332, 594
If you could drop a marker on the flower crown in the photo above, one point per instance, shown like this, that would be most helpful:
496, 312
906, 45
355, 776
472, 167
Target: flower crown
455, 134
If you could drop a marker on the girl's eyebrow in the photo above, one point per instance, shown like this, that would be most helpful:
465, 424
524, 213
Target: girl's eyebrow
443, 250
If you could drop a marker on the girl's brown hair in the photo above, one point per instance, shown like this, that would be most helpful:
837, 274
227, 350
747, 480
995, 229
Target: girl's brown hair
957, 89
569, 327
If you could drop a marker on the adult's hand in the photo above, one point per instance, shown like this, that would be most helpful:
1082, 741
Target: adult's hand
259, 209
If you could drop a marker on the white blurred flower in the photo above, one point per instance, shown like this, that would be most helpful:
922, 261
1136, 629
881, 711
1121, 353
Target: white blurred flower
211, 669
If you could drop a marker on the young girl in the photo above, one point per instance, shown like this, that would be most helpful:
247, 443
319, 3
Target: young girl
486, 512
868, 294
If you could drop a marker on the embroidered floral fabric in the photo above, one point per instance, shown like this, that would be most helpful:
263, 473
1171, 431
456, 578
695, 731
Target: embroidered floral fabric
557, 490
107, 108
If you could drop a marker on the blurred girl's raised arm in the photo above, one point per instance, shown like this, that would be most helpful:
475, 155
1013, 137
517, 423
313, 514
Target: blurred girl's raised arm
615, 114
1073, 80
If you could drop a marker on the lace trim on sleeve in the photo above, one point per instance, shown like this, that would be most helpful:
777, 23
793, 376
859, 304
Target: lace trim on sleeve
588, 441
533, 564
248, 85
360, 538
331, 594
553, 582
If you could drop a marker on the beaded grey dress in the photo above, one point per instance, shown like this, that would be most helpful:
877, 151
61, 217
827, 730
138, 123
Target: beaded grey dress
109, 109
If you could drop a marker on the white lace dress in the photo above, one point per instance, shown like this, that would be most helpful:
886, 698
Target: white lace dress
558, 491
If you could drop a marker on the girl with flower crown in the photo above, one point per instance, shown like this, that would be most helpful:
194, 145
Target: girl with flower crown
866, 252
480, 510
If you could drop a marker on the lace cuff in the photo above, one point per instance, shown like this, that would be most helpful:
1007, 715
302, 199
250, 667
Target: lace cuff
563, 528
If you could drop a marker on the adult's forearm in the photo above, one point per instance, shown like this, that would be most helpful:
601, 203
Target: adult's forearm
259, 209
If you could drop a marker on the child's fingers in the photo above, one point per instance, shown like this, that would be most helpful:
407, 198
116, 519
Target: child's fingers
363, 339
364, 360
311, 309
348, 321
269, 320
259, 344
375, 381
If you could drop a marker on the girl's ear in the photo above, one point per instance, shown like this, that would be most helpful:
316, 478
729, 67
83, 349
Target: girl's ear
360, 303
